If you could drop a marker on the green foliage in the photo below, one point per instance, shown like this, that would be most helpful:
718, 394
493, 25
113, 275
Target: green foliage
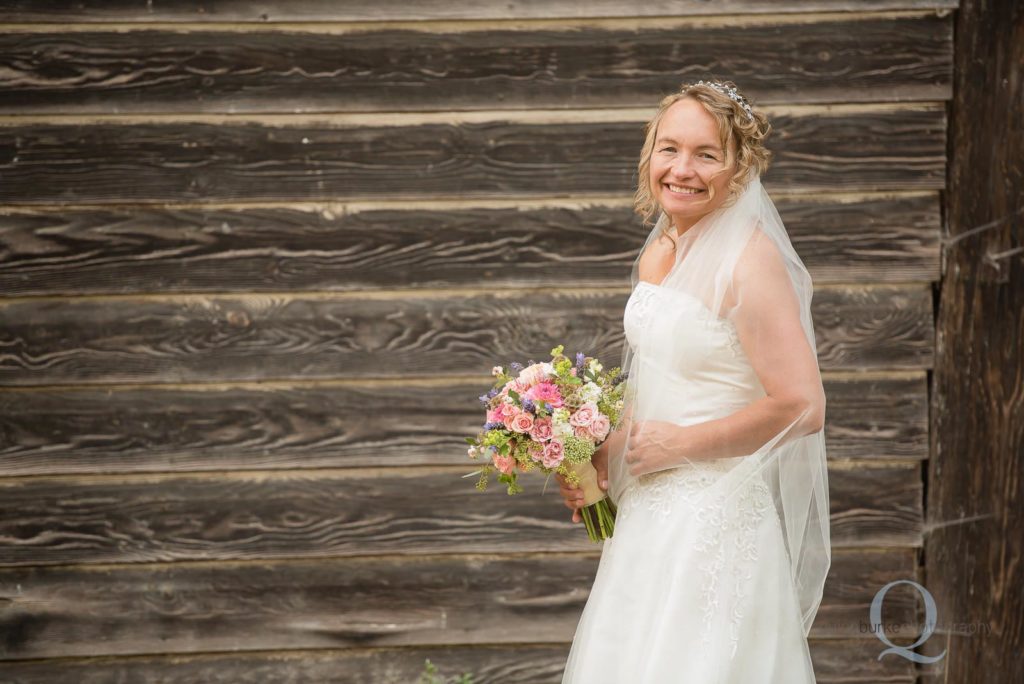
481, 484
497, 438
513, 485
430, 676
578, 450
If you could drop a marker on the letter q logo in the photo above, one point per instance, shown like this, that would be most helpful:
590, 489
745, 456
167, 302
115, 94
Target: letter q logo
875, 615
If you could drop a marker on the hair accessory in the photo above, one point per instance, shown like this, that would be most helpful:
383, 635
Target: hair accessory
729, 91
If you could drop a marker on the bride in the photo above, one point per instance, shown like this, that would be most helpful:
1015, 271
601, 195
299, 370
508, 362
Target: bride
715, 570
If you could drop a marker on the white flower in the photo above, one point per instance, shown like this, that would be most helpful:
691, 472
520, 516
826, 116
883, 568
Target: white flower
590, 392
496, 371
562, 430
594, 366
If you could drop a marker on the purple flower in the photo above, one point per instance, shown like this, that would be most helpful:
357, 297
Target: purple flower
516, 367
484, 398
528, 405
494, 426
493, 393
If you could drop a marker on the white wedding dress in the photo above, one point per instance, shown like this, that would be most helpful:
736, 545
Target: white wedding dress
691, 588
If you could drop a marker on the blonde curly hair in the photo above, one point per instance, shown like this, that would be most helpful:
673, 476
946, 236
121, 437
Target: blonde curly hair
741, 136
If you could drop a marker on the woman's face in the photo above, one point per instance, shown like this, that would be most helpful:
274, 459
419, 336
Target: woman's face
686, 154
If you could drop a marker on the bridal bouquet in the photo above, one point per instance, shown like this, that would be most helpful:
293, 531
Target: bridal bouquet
552, 416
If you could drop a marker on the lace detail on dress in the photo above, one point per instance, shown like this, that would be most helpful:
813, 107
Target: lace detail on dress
734, 339
737, 520
638, 308
711, 321
662, 488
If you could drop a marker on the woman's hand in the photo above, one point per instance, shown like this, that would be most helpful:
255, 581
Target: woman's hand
655, 445
573, 495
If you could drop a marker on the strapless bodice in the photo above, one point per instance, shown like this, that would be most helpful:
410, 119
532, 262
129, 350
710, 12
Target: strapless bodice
693, 366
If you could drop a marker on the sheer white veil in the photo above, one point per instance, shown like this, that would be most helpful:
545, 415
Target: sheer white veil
738, 272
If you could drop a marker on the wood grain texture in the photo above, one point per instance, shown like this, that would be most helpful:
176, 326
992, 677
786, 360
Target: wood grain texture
975, 548
156, 429
72, 252
252, 337
268, 11
402, 70
877, 417
330, 514
846, 661
815, 149
355, 603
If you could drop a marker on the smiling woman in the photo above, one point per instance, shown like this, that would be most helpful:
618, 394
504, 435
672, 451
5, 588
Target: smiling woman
687, 169
699, 146
718, 469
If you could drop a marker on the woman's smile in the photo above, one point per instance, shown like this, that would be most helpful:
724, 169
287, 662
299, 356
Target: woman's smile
685, 192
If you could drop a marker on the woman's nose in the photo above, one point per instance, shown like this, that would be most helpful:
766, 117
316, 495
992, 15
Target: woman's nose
682, 166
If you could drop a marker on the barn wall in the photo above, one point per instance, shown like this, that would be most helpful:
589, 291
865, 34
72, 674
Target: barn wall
257, 259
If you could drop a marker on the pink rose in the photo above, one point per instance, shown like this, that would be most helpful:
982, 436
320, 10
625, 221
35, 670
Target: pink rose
583, 432
584, 415
600, 426
536, 451
541, 430
504, 463
546, 392
522, 422
531, 375
509, 410
553, 453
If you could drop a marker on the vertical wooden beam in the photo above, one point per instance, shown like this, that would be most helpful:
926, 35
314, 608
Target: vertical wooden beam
975, 491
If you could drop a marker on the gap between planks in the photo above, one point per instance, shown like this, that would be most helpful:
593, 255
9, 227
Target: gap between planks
532, 202
388, 118
369, 383
629, 23
373, 558
401, 295
354, 473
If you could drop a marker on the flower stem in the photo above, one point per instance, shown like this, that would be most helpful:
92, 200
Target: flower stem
599, 519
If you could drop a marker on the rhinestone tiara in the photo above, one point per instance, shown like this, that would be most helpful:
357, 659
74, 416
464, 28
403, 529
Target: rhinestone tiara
729, 91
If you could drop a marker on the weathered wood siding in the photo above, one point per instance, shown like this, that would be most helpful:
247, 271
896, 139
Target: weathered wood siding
257, 259
974, 547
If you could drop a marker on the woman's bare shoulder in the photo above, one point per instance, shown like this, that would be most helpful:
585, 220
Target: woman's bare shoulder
656, 259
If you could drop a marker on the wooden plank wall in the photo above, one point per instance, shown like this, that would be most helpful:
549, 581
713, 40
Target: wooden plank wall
257, 259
